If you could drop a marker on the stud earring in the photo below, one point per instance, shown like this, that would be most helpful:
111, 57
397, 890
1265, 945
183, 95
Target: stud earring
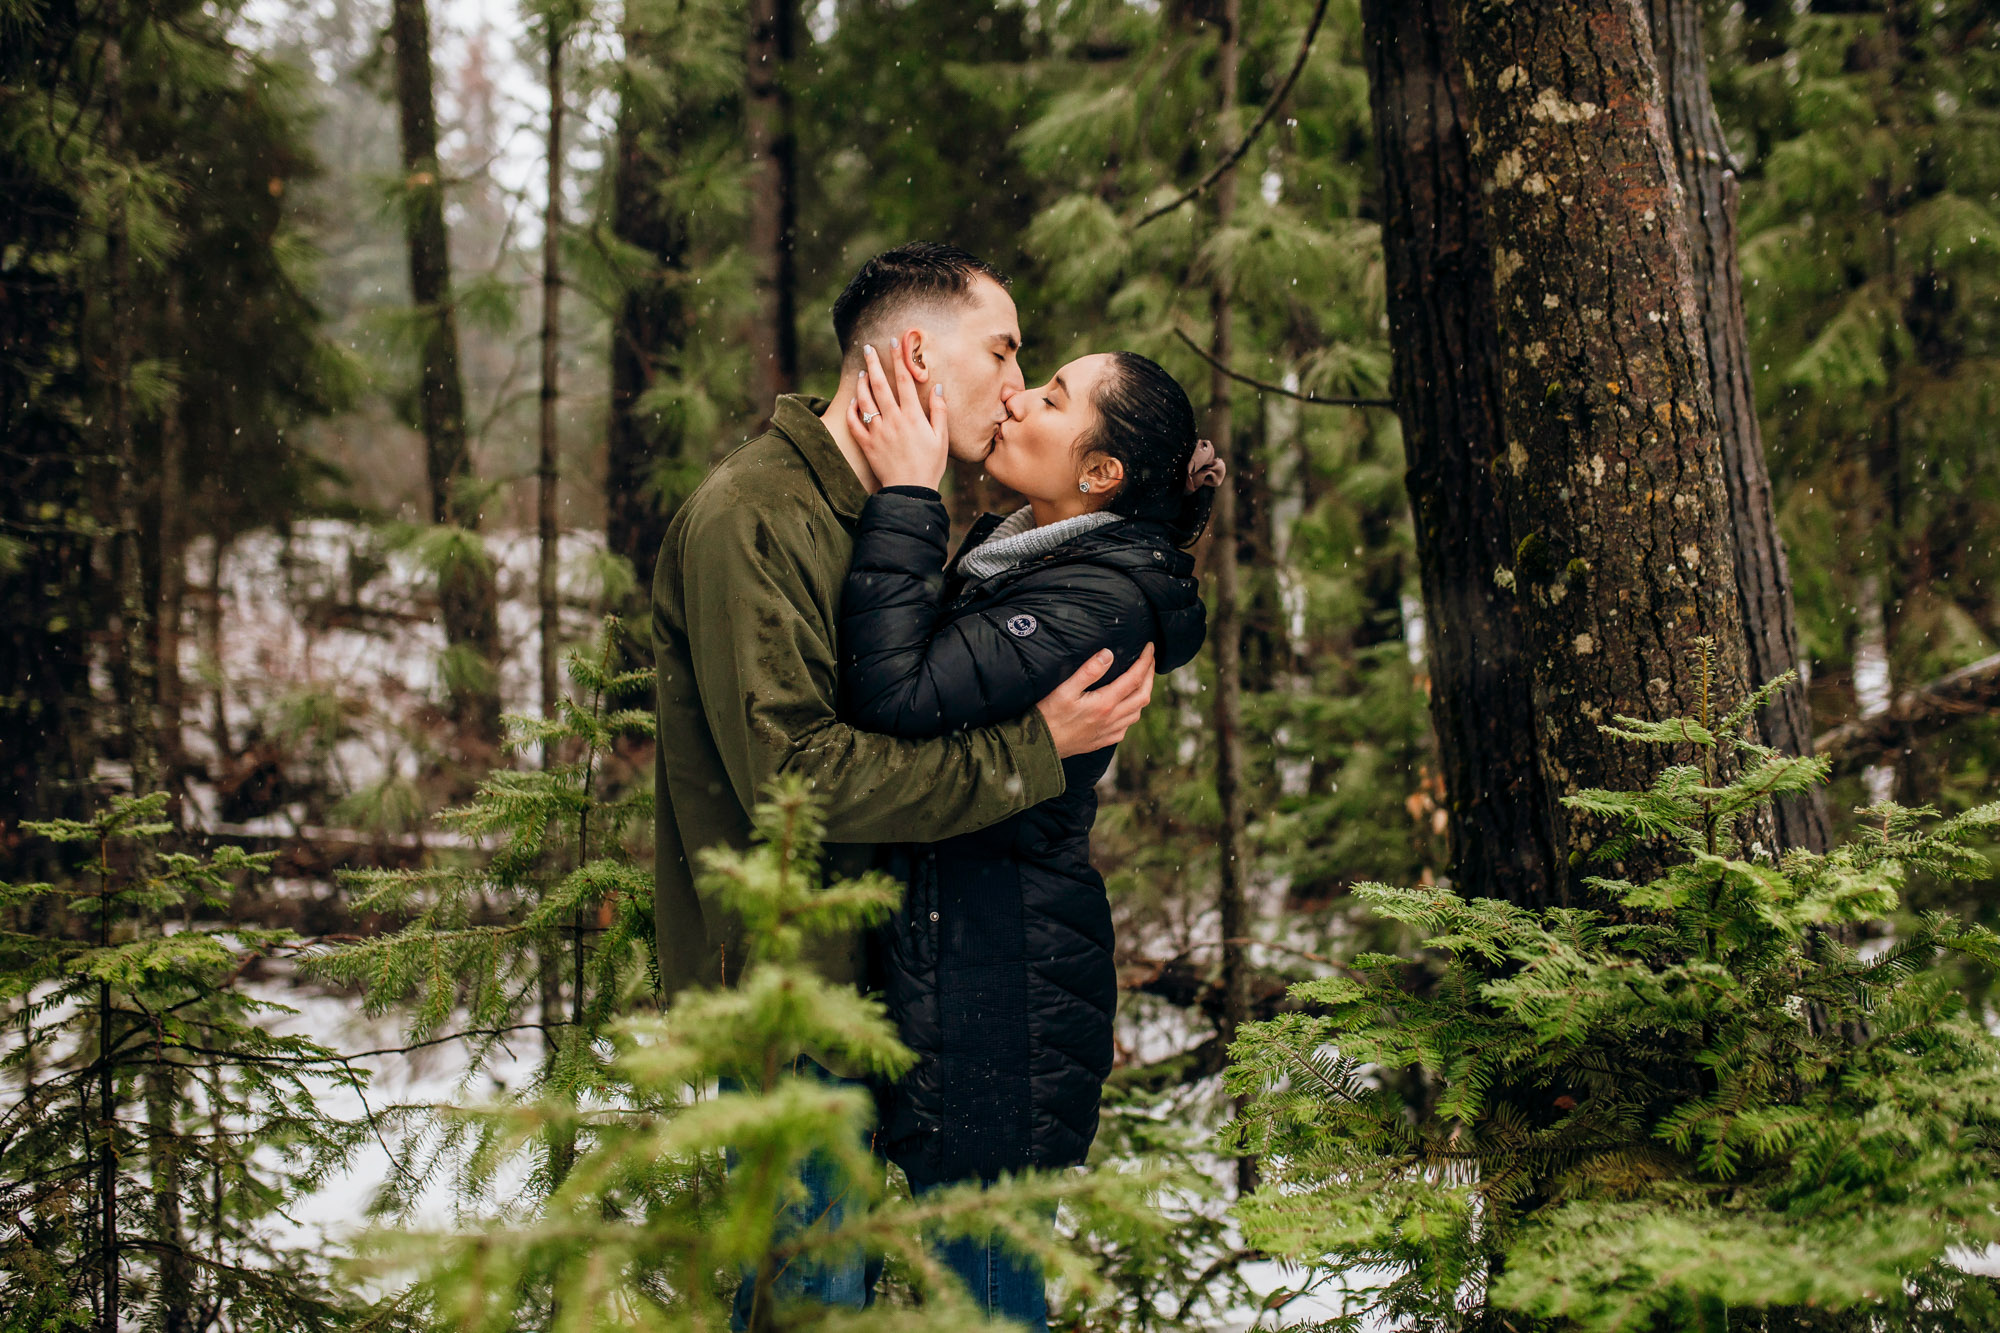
1083, 486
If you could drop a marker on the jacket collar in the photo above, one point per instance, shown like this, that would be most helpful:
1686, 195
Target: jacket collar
796, 417
982, 528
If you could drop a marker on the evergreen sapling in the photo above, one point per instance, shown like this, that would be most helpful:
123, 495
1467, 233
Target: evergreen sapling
153, 1130
549, 932
649, 1230
1698, 1109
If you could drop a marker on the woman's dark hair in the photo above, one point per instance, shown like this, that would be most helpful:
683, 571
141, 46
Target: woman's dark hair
1146, 422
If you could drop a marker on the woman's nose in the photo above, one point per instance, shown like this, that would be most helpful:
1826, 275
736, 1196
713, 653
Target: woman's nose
1015, 405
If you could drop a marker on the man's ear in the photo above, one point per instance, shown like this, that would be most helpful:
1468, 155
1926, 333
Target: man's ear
912, 350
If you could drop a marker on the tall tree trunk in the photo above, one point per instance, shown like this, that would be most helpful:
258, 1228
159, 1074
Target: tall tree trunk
773, 145
1763, 578
136, 683
173, 555
1443, 329
547, 470
218, 719
650, 325
1264, 659
1226, 636
163, 1152
107, 1100
1874, 686
1612, 478
465, 590
47, 615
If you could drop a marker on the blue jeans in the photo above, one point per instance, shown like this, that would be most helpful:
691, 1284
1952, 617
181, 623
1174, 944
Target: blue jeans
1003, 1284
846, 1280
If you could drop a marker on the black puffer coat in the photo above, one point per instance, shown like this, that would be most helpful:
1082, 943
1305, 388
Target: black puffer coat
998, 968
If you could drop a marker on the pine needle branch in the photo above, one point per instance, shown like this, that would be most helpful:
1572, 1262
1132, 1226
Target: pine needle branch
1229, 159
1264, 386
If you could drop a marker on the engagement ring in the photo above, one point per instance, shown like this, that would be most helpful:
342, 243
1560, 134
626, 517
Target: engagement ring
867, 417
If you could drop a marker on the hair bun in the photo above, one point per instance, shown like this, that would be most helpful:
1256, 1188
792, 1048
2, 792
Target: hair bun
1205, 468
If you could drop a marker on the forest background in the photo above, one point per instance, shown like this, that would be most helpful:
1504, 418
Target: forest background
346, 386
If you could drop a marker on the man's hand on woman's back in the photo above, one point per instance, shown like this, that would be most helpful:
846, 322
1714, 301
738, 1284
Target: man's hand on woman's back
1082, 720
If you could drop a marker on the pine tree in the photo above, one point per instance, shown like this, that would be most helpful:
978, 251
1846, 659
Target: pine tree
647, 1228
667, 258
153, 1125
46, 517
1869, 241
1612, 481
559, 891
464, 571
1700, 1111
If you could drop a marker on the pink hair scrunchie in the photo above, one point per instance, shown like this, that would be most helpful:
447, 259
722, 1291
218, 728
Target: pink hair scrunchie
1205, 468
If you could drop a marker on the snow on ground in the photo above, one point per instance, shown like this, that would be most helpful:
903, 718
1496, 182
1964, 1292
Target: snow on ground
328, 1219
327, 637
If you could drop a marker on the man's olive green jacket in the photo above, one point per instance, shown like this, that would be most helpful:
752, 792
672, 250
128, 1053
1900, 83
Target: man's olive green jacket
745, 609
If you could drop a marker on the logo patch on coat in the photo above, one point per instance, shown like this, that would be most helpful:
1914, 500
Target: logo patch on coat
1023, 625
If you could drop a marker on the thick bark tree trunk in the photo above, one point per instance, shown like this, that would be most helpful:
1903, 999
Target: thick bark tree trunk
1226, 635
773, 145
1763, 578
1443, 328
465, 591
547, 471
1612, 478
649, 327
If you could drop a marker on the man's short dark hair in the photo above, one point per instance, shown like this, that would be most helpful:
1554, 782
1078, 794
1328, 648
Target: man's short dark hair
918, 271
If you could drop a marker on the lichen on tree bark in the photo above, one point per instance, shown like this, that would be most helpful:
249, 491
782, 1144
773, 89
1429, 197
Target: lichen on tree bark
1612, 477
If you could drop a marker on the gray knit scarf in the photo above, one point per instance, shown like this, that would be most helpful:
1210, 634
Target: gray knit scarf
1017, 540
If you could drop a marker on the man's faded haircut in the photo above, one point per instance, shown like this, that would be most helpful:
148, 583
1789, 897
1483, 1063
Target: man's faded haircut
919, 273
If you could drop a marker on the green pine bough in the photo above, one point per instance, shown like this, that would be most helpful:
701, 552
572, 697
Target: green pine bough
598, 1197
153, 1130
1698, 1109
647, 1229
542, 922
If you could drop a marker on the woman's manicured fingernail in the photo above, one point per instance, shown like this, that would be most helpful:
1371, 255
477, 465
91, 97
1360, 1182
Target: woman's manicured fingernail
939, 390
894, 343
868, 349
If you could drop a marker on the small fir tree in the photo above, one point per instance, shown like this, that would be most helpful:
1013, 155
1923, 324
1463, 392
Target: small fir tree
1698, 1111
152, 1130
551, 932
648, 1230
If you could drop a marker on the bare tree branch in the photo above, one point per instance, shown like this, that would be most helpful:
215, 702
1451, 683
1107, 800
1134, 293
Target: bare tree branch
1266, 387
1915, 712
1235, 155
